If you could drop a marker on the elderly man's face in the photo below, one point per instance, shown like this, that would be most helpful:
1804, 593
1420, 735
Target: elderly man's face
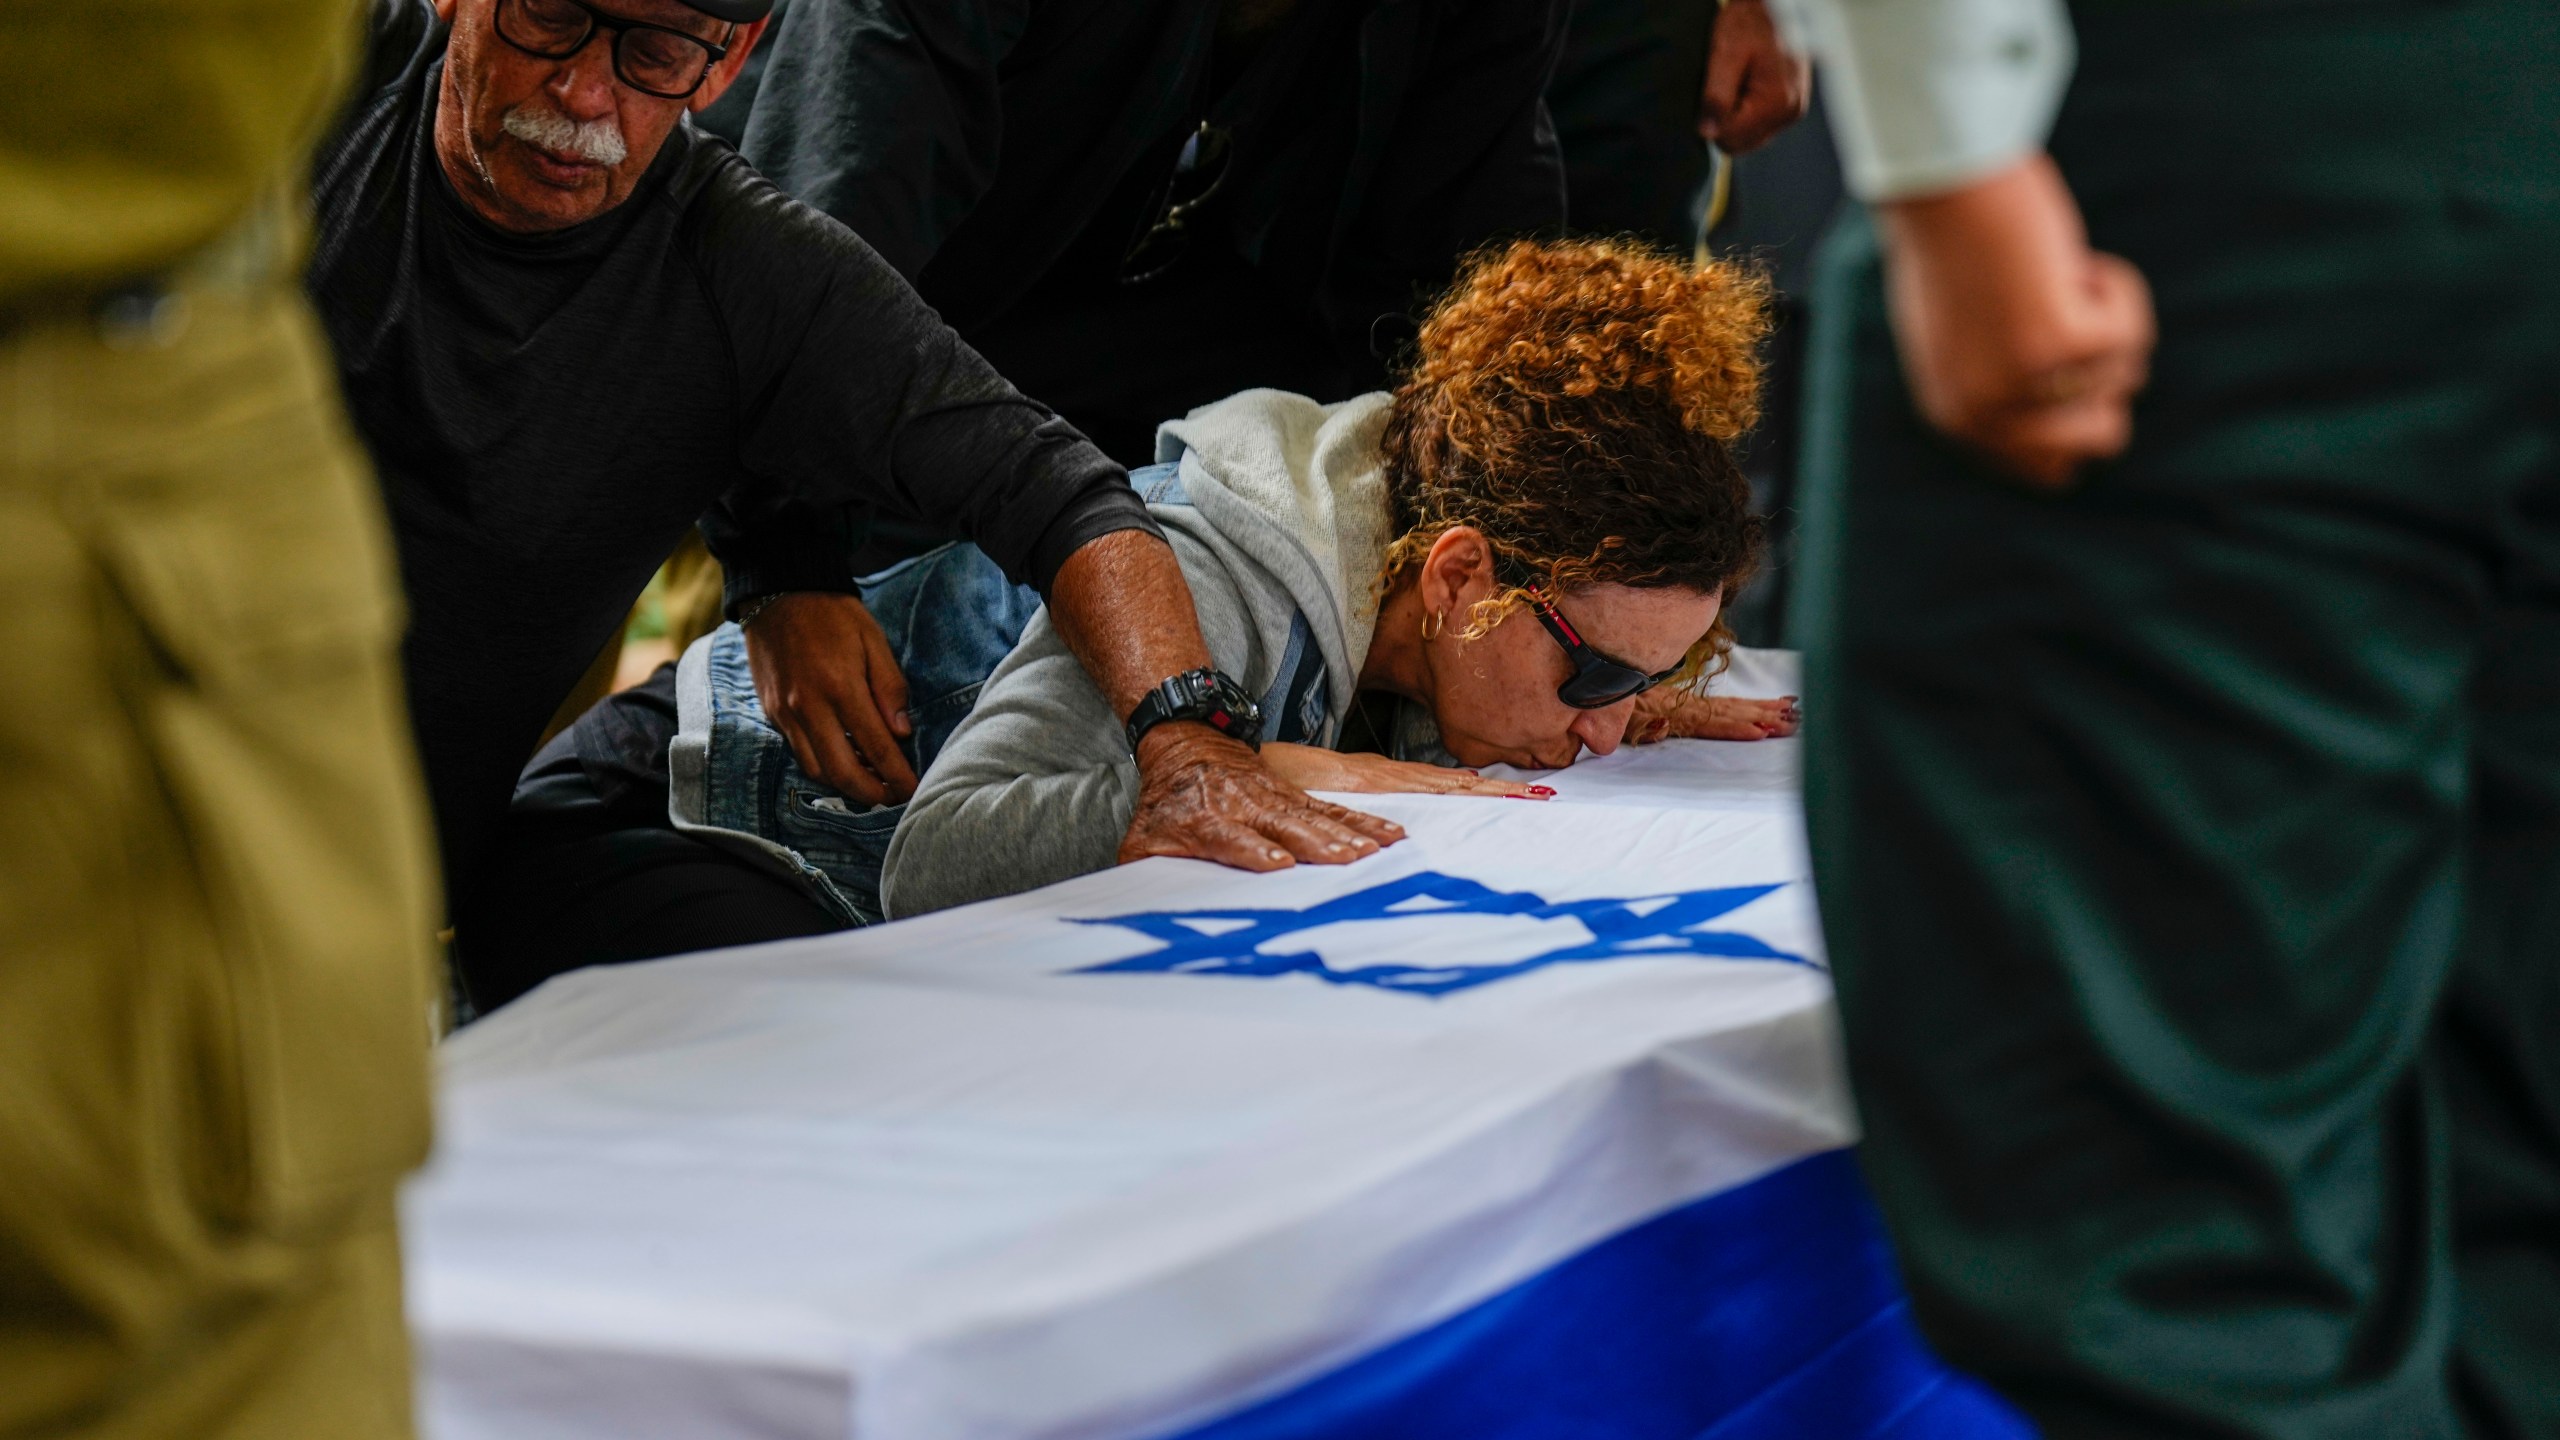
533, 144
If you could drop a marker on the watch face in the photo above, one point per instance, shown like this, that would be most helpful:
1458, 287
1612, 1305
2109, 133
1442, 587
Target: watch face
1204, 696
1230, 697
1223, 704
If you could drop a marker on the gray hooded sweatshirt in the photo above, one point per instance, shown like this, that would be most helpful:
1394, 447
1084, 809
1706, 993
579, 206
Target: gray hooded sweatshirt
1279, 518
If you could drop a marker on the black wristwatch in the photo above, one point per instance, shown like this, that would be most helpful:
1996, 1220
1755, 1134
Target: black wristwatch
1204, 695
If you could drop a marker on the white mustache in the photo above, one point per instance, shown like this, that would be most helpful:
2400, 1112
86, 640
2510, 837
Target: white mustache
598, 142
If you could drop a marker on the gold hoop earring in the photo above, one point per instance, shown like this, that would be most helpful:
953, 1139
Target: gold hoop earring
1433, 622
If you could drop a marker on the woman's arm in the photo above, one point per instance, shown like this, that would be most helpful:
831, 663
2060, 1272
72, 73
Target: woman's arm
1037, 785
1676, 712
1312, 767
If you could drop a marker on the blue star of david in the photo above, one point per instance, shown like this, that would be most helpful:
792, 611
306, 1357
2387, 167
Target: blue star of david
1233, 941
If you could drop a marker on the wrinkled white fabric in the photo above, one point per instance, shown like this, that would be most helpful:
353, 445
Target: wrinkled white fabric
939, 1180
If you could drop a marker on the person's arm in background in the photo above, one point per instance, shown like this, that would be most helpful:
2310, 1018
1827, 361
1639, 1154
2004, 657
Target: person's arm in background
2016, 337
1755, 85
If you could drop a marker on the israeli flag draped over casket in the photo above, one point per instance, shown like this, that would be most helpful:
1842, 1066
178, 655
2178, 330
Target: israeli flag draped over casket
1530, 1126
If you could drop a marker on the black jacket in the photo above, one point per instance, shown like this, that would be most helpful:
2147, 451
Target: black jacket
972, 142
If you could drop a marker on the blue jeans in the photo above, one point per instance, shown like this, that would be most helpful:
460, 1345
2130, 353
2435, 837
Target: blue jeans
951, 617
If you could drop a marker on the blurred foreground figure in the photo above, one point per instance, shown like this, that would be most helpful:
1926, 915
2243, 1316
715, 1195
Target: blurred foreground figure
2188, 824
215, 932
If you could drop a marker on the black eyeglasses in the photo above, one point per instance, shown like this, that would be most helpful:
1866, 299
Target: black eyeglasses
1197, 173
651, 59
1598, 680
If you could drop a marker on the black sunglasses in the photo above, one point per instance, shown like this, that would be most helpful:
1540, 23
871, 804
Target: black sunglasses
1598, 680
1198, 172
652, 59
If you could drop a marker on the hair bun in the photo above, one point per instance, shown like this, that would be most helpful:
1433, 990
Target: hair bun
1575, 402
1555, 322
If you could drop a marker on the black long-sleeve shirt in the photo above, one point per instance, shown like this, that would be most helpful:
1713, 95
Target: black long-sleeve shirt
1005, 153
548, 413
975, 141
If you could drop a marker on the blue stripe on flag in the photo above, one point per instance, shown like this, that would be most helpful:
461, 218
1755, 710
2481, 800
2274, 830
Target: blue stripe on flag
1767, 1312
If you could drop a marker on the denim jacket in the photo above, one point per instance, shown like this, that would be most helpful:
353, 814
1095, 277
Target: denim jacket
950, 615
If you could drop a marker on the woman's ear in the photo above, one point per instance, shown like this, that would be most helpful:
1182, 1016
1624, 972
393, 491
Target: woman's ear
1457, 572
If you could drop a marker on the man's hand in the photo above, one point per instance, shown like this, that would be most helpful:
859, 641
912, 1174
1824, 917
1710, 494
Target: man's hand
1207, 797
1312, 767
2016, 337
830, 684
1755, 86
1672, 713
1120, 603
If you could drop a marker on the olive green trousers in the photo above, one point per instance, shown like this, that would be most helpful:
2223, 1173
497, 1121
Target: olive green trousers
2189, 843
216, 910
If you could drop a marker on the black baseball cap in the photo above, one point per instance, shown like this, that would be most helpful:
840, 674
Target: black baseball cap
737, 12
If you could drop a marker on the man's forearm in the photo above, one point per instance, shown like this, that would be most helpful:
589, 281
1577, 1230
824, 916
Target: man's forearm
1121, 605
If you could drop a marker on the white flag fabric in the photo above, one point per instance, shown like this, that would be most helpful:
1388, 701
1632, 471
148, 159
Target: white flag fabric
1173, 1148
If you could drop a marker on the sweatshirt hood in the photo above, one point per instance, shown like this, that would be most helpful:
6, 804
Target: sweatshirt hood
1300, 486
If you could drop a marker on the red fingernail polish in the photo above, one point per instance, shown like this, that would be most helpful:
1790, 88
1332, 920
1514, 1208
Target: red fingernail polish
1542, 790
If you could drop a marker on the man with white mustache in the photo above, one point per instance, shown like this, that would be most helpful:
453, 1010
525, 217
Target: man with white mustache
544, 128
568, 325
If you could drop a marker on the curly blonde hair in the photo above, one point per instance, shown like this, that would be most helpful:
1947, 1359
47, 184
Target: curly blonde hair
1577, 402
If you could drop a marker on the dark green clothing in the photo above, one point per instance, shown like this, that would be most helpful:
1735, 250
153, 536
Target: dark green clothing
2189, 845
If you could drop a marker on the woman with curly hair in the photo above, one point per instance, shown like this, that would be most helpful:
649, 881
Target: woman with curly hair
1499, 562
1515, 557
